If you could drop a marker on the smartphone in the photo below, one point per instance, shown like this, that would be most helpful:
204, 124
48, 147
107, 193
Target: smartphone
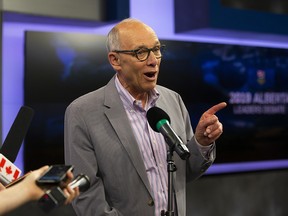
55, 175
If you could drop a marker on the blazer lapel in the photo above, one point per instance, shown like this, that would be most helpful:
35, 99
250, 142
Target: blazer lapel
117, 116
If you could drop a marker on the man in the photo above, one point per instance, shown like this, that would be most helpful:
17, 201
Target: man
107, 135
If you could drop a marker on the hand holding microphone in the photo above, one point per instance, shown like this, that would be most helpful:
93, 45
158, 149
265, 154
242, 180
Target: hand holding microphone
60, 194
26, 189
16, 190
21, 191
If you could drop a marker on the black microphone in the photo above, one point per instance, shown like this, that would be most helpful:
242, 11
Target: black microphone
17, 133
12, 144
159, 121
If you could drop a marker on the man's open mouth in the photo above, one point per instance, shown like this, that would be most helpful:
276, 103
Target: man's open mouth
150, 74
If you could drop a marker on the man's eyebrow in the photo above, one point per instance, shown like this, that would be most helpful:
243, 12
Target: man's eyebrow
143, 46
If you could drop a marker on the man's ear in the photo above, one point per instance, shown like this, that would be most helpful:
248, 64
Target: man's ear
113, 59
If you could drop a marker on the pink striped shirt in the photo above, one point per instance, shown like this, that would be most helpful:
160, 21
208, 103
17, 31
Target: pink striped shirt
151, 144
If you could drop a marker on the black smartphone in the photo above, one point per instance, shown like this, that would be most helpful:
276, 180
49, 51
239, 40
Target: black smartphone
55, 175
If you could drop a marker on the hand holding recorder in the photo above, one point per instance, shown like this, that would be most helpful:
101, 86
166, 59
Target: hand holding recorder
56, 175
25, 189
60, 188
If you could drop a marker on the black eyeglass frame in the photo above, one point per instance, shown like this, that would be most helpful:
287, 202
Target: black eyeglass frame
134, 52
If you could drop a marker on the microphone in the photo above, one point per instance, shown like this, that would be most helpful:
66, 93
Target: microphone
82, 181
55, 195
12, 144
159, 121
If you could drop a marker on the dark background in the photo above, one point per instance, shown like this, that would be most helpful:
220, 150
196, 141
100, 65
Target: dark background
59, 67
272, 6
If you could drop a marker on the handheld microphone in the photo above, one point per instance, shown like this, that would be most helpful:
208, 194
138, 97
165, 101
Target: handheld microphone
159, 121
55, 196
82, 181
11, 146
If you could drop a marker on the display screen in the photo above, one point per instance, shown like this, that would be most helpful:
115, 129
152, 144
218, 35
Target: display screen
252, 80
60, 67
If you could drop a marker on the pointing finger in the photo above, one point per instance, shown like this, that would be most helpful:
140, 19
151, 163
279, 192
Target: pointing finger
216, 108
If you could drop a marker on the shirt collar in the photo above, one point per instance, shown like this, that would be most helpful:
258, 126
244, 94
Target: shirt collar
129, 101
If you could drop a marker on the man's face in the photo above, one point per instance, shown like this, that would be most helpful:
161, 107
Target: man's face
136, 76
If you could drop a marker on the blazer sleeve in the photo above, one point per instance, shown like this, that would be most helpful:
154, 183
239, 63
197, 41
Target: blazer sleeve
197, 164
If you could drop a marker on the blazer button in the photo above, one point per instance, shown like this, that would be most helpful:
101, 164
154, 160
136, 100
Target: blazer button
150, 202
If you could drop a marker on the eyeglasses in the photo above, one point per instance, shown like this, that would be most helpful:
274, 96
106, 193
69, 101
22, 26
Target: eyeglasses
143, 53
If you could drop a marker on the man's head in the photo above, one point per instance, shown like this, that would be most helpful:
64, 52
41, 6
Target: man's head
134, 51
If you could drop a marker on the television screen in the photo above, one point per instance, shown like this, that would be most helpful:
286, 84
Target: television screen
59, 67
252, 80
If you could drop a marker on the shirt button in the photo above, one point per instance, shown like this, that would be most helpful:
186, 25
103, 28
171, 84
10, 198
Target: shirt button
150, 202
